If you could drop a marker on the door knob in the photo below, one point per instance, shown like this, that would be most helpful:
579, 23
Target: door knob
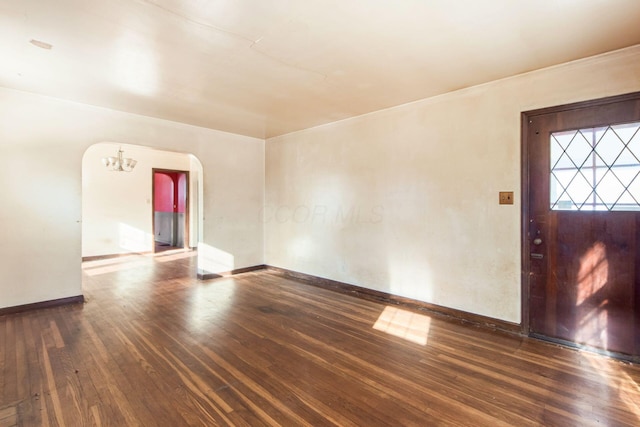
537, 241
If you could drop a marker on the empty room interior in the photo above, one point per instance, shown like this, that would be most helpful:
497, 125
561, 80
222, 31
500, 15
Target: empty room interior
310, 213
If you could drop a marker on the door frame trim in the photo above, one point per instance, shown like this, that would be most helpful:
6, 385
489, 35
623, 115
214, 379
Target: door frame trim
524, 169
187, 202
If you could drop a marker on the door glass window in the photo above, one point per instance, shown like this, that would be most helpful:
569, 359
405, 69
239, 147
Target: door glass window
596, 169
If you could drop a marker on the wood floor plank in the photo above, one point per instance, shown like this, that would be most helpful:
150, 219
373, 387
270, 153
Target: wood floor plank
153, 345
8, 416
8, 363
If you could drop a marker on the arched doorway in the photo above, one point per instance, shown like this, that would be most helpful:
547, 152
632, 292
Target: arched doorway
117, 207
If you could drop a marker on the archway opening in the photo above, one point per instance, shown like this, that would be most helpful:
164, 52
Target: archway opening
117, 207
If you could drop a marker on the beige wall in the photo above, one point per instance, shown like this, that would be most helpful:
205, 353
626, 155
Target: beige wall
405, 200
42, 142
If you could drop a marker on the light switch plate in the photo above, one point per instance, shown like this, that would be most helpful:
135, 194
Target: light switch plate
506, 197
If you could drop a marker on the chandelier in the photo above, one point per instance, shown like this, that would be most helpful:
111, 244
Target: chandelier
119, 163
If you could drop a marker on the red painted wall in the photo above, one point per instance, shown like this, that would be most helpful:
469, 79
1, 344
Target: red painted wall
163, 192
168, 187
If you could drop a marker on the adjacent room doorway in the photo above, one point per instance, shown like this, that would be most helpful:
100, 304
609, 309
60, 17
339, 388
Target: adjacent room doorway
581, 224
170, 209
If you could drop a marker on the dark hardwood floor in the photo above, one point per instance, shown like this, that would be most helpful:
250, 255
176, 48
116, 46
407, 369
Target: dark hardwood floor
153, 346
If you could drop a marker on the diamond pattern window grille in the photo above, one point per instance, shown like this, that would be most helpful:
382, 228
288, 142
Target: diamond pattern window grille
596, 169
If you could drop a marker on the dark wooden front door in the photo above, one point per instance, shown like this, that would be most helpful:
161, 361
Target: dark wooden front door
581, 212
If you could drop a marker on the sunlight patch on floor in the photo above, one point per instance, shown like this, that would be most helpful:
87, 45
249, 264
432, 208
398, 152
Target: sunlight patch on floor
613, 373
175, 256
404, 324
125, 262
123, 259
113, 267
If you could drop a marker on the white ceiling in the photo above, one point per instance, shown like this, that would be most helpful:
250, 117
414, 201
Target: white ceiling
268, 67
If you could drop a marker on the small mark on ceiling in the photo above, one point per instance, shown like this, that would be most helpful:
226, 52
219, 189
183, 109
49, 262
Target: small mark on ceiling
41, 44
